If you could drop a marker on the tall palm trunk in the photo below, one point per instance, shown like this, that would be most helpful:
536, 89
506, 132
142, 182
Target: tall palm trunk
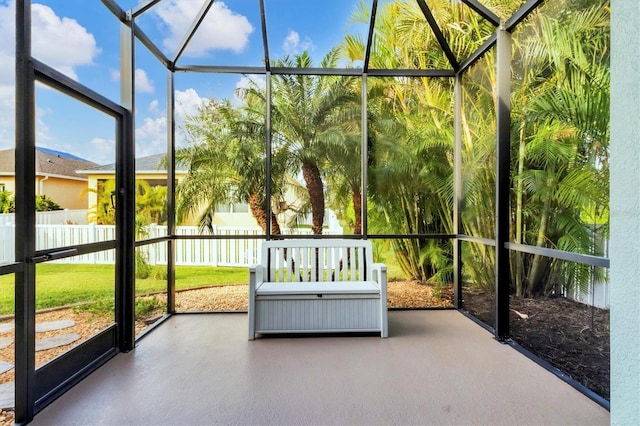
260, 214
313, 181
538, 265
357, 208
518, 233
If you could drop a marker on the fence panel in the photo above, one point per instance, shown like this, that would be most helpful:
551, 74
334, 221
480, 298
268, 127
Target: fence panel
56, 217
7, 242
210, 252
232, 251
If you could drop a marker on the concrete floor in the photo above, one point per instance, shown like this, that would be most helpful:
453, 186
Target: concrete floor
437, 367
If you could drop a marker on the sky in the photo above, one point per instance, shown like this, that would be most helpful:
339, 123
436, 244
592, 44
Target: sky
80, 38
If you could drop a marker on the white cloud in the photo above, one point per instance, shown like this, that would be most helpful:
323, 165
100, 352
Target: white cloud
292, 45
43, 133
153, 106
7, 99
142, 81
245, 83
151, 134
103, 150
187, 104
221, 29
61, 43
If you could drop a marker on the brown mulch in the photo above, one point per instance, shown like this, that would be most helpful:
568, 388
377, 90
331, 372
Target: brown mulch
571, 336
400, 294
404, 294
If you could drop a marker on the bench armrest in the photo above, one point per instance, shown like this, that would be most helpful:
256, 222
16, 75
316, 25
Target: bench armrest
256, 278
379, 275
379, 270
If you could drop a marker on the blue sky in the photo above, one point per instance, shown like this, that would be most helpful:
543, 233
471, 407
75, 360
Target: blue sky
81, 39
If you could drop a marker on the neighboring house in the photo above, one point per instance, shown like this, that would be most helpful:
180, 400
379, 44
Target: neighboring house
56, 176
152, 170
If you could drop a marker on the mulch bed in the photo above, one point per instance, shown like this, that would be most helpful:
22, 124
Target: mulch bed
571, 336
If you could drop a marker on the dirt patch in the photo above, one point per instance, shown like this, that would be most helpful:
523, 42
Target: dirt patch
572, 336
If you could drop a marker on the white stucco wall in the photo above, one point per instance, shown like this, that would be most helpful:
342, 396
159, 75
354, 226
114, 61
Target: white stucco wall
625, 212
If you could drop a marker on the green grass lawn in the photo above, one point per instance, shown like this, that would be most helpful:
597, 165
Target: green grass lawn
66, 284
61, 285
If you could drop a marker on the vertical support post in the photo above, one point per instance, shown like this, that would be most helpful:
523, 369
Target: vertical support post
503, 145
171, 192
25, 281
268, 148
457, 191
125, 200
365, 155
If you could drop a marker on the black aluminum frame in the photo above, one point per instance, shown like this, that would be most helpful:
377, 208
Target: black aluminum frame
35, 389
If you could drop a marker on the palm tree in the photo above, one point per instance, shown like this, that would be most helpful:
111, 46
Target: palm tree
307, 111
411, 132
151, 202
562, 103
226, 160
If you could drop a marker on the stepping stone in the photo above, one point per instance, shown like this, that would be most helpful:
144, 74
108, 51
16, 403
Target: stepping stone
7, 396
5, 341
5, 366
54, 325
7, 326
55, 341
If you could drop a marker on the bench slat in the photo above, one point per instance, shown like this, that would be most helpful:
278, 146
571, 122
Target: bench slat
288, 261
318, 287
321, 265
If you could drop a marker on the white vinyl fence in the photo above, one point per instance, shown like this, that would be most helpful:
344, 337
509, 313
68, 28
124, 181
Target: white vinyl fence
59, 217
213, 252
596, 295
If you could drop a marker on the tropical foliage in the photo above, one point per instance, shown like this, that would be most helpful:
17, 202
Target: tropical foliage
559, 137
43, 203
7, 203
151, 204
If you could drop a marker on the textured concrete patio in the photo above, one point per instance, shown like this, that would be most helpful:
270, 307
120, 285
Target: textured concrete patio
437, 367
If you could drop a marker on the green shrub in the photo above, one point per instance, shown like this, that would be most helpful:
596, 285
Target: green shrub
158, 272
143, 269
147, 306
46, 204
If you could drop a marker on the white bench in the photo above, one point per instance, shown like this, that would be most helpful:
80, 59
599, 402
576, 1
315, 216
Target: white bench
317, 286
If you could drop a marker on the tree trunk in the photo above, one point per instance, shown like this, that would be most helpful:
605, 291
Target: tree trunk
275, 226
519, 191
259, 213
539, 264
357, 208
313, 181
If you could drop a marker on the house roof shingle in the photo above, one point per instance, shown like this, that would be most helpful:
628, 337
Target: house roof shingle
48, 162
148, 164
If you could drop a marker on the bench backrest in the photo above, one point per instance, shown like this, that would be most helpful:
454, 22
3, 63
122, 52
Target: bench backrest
317, 260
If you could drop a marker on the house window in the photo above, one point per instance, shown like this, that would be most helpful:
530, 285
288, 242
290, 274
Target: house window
240, 208
223, 208
2, 187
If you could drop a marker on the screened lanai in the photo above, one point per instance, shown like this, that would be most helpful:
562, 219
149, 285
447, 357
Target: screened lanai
467, 139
